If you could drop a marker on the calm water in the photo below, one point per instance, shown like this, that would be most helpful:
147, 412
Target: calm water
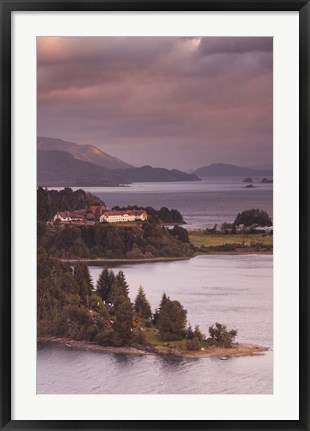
236, 290
202, 203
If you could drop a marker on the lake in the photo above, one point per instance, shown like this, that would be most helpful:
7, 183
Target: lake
213, 200
235, 290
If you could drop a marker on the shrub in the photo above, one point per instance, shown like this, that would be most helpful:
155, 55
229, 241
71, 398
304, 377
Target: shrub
220, 336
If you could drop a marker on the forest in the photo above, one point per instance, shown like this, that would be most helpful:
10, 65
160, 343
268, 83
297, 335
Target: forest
70, 306
148, 239
144, 240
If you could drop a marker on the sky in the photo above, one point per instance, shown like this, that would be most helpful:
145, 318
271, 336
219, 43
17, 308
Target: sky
173, 102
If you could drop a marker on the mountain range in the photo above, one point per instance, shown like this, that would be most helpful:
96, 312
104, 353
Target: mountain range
227, 170
61, 163
85, 153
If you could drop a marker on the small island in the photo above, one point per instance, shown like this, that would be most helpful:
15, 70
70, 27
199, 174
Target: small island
71, 312
247, 180
249, 186
266, 181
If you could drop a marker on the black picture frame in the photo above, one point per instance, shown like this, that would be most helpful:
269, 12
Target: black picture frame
6, 8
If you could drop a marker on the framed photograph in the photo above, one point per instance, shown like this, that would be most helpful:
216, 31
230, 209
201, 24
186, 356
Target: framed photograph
154, 215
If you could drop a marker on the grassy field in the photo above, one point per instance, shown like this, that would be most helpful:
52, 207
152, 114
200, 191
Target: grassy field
200, 239
152, 337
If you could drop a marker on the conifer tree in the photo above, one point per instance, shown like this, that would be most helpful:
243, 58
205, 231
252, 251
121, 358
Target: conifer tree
116, 291
121, 279
141, 306
84, 281
163, 301
123, 320
104, 283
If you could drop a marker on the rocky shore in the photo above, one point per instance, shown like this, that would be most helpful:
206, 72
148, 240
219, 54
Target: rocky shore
137, 349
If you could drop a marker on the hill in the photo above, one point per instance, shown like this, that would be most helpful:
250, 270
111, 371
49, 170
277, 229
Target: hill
59, 168
85, 153
149, 174
227, 170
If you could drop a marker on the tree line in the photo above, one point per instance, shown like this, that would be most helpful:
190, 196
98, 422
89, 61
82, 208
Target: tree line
51, 201
69, 306
146, 240
164, 215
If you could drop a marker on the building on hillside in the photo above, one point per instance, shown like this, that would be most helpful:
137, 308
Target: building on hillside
81, 216
66, 216
123, 216
95, 211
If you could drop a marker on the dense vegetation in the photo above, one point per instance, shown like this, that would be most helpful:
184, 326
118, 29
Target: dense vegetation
135, 241
51, 201
144, 240
164, 215
69, 306
253, 217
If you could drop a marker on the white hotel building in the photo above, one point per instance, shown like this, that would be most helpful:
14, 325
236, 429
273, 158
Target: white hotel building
123, 216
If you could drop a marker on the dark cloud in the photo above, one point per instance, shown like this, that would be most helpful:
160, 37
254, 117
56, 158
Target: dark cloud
146, 99
235, 45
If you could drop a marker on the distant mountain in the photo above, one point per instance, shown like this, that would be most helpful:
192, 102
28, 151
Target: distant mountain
263, 167
227, 170
149, 174
85, 153
59, 168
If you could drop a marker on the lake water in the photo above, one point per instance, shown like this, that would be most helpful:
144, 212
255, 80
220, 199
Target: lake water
236, 290
202, 203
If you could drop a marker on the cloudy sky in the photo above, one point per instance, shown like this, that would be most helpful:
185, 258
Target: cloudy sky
165, 101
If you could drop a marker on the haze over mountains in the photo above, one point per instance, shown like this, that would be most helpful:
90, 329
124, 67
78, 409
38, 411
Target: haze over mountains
62, 163
86, 153
227, 170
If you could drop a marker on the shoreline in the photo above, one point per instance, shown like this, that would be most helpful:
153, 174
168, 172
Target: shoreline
215, 352
99, 261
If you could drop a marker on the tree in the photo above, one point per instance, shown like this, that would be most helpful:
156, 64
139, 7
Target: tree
194, 344
83, 280
163, 301
190, 332
253, 216
121, 279
104, 283
172, 321
116, 291
198, 334
220, 336
123, 320
141, 306
180, 233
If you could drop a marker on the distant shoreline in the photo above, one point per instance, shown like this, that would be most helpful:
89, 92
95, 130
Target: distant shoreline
215, 352
100, 261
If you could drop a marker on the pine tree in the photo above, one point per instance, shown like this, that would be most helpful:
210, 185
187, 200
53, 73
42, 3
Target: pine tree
163, 301
84, 281
120, 278
104, 283
141, 306
123, 321
116, 291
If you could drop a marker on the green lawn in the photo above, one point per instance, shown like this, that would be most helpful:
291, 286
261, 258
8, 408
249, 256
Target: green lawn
152, 337
200, 239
